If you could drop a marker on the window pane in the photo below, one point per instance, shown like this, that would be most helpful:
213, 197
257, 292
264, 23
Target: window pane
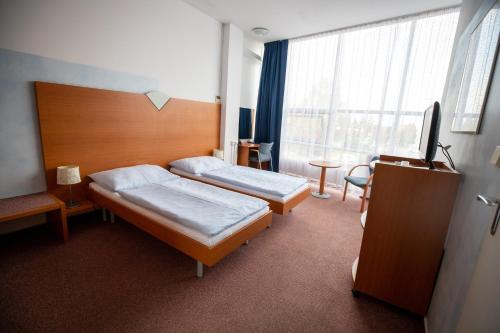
358, 92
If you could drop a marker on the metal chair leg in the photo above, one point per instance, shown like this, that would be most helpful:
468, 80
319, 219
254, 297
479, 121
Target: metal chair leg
260, 164
199, 269
271, 160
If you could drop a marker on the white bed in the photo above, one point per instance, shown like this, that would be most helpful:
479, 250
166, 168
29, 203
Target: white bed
281, 199
209, 241
203, 221
283, 192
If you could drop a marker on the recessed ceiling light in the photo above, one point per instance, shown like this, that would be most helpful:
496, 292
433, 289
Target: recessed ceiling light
260, 31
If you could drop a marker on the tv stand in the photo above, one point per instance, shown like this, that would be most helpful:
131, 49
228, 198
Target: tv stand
404, 232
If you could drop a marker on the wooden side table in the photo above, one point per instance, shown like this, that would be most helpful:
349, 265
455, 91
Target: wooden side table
33, 204
323, 165
84, 206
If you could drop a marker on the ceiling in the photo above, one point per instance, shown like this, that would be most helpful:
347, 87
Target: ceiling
294, 18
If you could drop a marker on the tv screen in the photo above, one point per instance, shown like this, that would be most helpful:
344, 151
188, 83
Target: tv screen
430, 133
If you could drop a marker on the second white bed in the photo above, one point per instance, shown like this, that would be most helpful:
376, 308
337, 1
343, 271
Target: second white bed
215, 182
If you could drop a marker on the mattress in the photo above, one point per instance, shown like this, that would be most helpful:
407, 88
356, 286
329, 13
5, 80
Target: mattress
281, 199
209, 241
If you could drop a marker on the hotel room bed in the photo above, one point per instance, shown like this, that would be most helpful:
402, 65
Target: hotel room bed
283, 192
203, 221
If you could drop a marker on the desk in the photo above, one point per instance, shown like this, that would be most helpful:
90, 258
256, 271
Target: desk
244, 152
323, 165
34, 204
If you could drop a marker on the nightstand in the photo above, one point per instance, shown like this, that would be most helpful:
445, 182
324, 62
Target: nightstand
34, 204
85, 206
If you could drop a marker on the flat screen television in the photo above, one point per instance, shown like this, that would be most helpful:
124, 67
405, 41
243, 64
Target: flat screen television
430, 134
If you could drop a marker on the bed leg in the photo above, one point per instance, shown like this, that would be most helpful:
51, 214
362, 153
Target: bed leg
290, 211
104, 215
247, 241
269, 226
112, 217
199, 269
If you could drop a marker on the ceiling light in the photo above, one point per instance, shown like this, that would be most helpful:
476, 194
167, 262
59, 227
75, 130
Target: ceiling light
260, 31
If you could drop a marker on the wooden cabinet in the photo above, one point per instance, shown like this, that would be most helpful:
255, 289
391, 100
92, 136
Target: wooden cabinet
405, 229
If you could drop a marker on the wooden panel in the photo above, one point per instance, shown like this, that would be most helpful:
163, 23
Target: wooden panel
416, 162
406, 225
102, 129
292, 202
199, 251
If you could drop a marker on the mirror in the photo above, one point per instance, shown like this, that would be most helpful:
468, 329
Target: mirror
245, 128
479, 65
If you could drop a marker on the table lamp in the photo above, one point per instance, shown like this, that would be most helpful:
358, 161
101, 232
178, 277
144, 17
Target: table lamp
69, 175
218, 153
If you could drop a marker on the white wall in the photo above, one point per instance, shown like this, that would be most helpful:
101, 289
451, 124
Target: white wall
129, 45
470, 219
250, 71
167, 40
232, 55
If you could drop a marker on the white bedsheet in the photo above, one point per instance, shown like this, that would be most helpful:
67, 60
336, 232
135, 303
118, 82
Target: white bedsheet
258, 180
209, 241
241, 189
205, 208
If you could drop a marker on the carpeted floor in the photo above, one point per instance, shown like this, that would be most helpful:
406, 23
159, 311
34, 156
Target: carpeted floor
293, 277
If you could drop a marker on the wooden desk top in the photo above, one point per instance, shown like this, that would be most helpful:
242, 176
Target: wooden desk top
249, 145
26, 205
325, 164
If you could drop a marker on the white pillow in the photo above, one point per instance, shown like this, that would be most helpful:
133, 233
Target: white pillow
120, 178
131, 177
198, 165
155, 174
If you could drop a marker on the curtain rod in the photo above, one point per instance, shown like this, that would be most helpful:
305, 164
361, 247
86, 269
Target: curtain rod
361, 25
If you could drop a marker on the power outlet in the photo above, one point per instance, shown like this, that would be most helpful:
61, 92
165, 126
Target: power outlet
495, 158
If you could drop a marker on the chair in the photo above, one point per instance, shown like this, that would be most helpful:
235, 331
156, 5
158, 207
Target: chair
263, 154
361, 182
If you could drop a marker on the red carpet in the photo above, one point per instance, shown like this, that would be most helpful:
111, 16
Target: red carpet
293, 277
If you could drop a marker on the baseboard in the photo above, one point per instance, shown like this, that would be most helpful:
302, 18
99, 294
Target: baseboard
426, 328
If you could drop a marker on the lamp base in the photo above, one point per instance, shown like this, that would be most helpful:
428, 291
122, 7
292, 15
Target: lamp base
72, 204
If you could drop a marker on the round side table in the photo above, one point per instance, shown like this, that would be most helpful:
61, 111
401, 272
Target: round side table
323, 165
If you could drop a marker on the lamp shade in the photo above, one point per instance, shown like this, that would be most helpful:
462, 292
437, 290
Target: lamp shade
68, 175
219, 154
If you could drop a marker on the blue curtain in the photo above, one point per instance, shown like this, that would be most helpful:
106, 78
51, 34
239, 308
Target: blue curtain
271, 92
245, 124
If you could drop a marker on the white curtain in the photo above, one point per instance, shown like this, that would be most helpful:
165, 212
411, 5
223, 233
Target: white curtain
353, 93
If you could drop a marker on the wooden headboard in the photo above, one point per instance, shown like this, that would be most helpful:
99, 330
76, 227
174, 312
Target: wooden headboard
102, 129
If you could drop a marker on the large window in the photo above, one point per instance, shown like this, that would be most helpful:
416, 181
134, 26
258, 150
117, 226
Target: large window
353, 93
